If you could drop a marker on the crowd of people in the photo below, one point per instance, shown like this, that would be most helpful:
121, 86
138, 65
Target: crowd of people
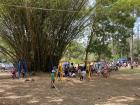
82, 72
100, 68
85, 71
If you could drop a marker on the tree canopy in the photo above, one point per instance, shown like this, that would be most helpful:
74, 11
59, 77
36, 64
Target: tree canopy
112, 25
39, 30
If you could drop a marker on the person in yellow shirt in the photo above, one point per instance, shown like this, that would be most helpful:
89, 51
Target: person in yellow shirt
88, 68
60, 71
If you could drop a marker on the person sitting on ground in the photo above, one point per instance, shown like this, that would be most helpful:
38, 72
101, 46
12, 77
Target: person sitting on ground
74, 72
73, 75
53, 77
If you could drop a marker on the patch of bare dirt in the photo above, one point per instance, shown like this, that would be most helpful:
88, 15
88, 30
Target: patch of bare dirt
118, 89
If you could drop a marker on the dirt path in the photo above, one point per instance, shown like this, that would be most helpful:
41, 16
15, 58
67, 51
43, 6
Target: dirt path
119, 89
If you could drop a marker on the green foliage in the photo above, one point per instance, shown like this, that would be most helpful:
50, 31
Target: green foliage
100, 49
4, 57
40, 30
136, 50
111, 23
74, 52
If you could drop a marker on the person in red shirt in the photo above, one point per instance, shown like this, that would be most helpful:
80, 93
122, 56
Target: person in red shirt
105, 71
14, 73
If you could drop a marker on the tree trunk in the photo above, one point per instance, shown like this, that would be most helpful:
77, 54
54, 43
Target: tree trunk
88, 48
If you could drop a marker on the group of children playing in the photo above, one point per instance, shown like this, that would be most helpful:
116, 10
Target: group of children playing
83, 72
68, 70
14, 73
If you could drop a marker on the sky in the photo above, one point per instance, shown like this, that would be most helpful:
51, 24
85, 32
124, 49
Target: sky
137, 27
92, 1
136, 30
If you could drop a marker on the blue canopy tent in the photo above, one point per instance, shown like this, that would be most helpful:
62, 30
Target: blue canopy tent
122, 60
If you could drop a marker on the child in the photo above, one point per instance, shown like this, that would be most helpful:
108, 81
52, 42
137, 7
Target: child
60, 72
83, 74
66, 70
79, 71
14, 73
22, 72
105, 72
53, 77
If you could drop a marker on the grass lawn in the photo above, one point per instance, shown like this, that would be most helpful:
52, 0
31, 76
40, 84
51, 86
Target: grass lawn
130, 71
